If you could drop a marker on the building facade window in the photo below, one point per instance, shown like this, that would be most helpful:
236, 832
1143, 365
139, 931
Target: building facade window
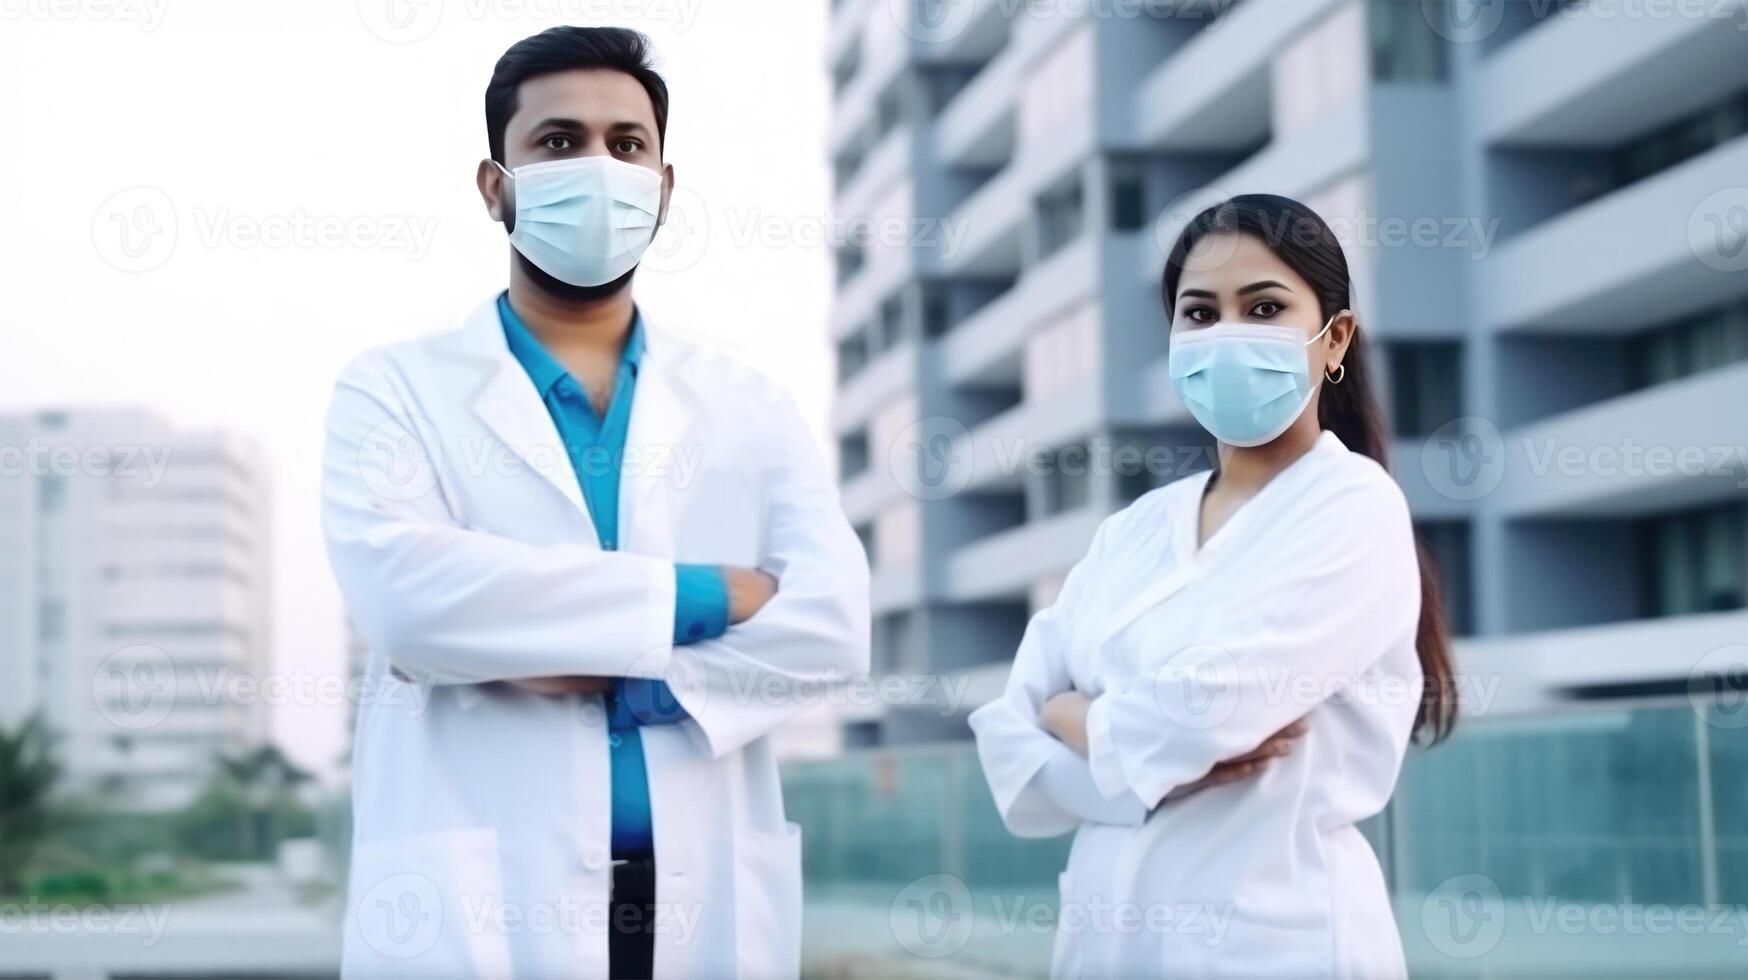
1425, 386
1715, 338
1695, 561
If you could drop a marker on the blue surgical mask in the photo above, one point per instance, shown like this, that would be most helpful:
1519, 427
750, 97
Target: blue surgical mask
584, 220
1245, 382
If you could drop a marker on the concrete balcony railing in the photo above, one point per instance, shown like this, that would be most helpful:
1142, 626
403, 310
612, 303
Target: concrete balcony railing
977, 127
1214, 93
888, 163
1618, 75
1679, 444
997, 451
1004, 565
989, 345
1620, 262
887, 375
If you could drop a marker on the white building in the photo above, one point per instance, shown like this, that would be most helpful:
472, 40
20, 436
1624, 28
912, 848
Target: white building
134, 596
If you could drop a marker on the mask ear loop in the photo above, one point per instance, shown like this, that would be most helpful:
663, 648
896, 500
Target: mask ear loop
508, 194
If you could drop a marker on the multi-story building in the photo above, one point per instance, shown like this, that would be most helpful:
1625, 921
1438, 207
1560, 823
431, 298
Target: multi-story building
134, 597
1544, 204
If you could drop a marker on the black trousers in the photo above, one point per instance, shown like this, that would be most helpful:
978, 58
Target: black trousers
632, 919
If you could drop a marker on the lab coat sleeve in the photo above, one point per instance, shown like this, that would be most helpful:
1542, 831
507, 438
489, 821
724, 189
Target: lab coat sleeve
451, 605
813, 633
1326, 600
1017, 754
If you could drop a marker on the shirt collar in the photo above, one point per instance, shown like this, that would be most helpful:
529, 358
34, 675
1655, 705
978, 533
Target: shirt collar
545, 370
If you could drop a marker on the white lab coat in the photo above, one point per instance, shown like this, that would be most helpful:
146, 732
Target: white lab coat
460, 539
1304, 604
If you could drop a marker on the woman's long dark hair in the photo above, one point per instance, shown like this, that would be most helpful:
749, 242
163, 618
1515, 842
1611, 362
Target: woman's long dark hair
1301, 239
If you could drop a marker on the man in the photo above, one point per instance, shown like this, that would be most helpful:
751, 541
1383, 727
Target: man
595, 564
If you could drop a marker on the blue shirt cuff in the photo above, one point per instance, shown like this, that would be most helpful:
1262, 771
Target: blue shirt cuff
700, 603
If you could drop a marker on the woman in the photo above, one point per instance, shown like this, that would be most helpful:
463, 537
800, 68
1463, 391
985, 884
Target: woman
1277, 602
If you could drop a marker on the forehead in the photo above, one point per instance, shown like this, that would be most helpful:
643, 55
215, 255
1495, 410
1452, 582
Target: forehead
1223, 262
597, 97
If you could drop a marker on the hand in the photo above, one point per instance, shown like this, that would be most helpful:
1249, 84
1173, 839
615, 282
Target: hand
748, 591
1064, 716
565, 685
1246, 765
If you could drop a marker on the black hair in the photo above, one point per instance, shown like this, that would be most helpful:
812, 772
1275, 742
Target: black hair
559, 49
1301, 239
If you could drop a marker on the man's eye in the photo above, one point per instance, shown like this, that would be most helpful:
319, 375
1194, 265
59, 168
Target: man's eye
559, 143
628, 146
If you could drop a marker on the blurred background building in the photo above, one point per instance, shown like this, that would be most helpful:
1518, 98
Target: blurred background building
1545, 205
134, 585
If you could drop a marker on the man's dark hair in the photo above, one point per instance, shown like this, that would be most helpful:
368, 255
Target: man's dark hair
559, 49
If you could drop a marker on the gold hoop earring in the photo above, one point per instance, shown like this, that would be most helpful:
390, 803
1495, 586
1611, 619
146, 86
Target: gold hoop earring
1336, 378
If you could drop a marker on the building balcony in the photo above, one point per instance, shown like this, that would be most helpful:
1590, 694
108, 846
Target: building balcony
858, 299
1006, 564
988, 347
863, 496
1214, 93
888, 163
1676, 445
990, 223
1579, 273
997, 450
1617, 76
892, 588
977, 128
885, 377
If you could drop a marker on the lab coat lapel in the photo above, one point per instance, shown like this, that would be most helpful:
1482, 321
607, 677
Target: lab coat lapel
650, 479
508, 404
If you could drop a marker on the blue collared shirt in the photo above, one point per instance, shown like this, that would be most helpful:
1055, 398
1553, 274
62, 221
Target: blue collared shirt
596, 447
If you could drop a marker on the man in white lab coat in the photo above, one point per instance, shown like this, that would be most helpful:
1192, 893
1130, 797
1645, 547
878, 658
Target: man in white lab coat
595, 564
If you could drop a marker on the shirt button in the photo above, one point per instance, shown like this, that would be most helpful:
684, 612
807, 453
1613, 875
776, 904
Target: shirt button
614, 740
695, 630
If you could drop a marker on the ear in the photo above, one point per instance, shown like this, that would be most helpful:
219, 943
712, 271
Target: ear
497, 193
667, 193
1342, 331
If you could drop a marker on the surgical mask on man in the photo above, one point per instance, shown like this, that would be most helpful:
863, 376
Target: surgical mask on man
1245, 382
584, 220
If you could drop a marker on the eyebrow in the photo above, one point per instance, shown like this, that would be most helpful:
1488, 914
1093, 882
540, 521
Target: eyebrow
1263, 284
578, 126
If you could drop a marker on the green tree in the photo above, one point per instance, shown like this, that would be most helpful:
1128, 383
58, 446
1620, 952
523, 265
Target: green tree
28, 774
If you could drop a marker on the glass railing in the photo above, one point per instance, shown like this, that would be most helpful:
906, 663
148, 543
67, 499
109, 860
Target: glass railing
1595, 842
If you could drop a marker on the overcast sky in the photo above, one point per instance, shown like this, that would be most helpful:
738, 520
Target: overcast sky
223, 202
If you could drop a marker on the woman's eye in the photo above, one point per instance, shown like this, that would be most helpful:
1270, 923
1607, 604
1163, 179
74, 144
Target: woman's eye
1201, 314
1266, 309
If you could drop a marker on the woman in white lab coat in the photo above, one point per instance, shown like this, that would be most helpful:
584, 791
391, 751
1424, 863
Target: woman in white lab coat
1230, 678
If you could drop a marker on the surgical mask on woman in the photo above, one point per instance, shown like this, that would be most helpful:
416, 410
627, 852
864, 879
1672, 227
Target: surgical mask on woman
584, 220
1245, 382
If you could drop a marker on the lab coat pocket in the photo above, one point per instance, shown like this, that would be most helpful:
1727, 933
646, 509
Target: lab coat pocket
768, 903
427, 906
